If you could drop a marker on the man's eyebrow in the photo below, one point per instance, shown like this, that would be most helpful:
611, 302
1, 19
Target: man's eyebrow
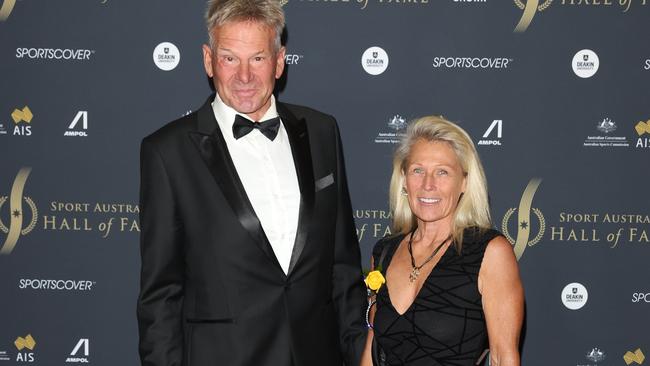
222, 49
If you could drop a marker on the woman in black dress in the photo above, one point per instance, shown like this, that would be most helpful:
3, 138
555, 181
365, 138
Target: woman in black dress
452, 288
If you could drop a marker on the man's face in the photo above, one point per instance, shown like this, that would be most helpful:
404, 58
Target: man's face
244, 66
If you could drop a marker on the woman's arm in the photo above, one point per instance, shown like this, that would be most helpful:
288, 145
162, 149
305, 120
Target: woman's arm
503, 301
366, 357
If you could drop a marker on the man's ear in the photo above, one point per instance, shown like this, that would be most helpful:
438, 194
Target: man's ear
279, 62
207, 60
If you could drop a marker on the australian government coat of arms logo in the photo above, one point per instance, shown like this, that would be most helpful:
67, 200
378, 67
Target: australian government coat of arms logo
396, 125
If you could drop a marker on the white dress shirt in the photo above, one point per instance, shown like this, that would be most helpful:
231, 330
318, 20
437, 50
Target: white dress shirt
267, 172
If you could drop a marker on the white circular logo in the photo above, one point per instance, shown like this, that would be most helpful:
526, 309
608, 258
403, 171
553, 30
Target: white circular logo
166, 56
585, 63
374, 60
574, 296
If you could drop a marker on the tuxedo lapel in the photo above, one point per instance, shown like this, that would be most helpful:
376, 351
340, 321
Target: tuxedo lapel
209, 140
299, 141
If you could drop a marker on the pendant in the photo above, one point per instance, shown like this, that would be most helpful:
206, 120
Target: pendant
414, 274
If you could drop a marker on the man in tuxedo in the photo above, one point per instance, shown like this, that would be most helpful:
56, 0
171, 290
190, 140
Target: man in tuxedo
249, 251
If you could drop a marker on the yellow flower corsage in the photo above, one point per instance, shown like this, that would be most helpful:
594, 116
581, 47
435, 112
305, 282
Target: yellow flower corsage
374, 280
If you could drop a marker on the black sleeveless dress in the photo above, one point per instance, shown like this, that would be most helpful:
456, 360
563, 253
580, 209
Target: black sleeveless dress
445, 325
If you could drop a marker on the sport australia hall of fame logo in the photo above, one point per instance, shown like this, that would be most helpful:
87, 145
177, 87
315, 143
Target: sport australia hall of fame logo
525, 211
530, 8
5, 9
19, 222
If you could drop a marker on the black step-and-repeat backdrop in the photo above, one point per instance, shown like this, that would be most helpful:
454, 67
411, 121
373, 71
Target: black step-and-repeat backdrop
556, 95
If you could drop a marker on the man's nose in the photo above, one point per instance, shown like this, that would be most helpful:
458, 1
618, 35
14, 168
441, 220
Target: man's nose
244, 72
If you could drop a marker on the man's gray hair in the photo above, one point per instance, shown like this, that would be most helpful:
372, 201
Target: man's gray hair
267, 12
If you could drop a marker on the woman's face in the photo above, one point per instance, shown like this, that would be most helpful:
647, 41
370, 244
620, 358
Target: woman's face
434, 181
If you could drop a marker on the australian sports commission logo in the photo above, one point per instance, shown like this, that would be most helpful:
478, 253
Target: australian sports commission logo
525, 234
19, 224
396, 126
605, 137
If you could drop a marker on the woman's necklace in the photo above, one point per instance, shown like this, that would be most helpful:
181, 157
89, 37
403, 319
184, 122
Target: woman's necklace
415, 272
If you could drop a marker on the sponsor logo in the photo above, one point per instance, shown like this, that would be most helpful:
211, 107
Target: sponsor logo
24, 345
166, 56
4, 356
472, 62
397, 123
27, 342
498, 124
66, 54
22, 115
293, 59
574, 296
6, 8
605, 140
55, 285
585, 63
393, 135
634, 357
16, 199
642, 128
3, 130
374, 60
606, 126
641, 297
595, 355
524, 226
83, 117
22, 119
75, 356
530, 9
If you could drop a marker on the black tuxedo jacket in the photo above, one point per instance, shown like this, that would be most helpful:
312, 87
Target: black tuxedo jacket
212, 291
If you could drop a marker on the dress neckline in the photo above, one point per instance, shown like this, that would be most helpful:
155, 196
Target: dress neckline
417, 295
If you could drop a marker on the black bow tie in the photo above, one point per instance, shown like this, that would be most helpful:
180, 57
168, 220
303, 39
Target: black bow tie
243, 127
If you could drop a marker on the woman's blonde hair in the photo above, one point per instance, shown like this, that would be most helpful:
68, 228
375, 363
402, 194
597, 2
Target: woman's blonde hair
473, 208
